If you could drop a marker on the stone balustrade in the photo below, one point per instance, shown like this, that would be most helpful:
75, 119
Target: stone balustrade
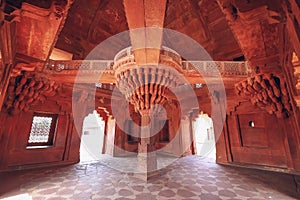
60, 65
212, 68
207, 68
126, 58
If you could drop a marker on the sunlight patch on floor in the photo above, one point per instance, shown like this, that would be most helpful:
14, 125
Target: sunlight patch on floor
19, 197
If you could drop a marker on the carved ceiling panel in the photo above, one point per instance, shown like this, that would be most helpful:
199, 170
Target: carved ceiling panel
203, 21
182, 16
90, 23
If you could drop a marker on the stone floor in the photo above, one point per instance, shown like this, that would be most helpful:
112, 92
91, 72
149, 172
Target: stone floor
190, 177
130, 163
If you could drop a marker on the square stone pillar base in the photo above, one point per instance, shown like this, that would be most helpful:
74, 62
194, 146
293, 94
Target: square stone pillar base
147, 162
147, 166
147, 176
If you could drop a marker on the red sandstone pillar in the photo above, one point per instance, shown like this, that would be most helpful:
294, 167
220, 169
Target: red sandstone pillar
147, 161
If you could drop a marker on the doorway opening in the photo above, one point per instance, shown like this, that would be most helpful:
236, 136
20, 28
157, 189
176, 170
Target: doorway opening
92, 138
204, 137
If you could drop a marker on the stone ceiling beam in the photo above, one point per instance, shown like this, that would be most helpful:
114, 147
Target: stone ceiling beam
38, 28
257, 27
145, 21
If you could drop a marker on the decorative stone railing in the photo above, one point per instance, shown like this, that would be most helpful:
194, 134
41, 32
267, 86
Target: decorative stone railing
207, 68
60, 65
225, 68
125, 53
126, 58
128, 53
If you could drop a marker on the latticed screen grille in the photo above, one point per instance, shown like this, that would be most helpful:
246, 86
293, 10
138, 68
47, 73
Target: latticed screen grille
41, 130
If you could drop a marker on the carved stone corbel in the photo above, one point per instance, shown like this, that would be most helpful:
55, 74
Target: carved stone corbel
268, 92
26, 90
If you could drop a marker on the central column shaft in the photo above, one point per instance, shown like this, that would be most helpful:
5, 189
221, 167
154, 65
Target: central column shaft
147, 161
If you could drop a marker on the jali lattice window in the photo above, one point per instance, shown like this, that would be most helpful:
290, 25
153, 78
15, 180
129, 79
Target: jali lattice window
42, 129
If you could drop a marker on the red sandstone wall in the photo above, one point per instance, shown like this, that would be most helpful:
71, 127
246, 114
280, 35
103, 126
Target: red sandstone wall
14, 133
268, 143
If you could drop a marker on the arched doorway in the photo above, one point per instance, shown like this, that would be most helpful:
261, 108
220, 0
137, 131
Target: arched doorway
92, 138
204, 136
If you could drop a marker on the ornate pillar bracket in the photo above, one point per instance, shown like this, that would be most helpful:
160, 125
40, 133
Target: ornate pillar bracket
268, 92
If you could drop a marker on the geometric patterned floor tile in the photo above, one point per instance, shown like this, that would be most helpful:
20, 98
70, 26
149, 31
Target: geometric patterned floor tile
190, 177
